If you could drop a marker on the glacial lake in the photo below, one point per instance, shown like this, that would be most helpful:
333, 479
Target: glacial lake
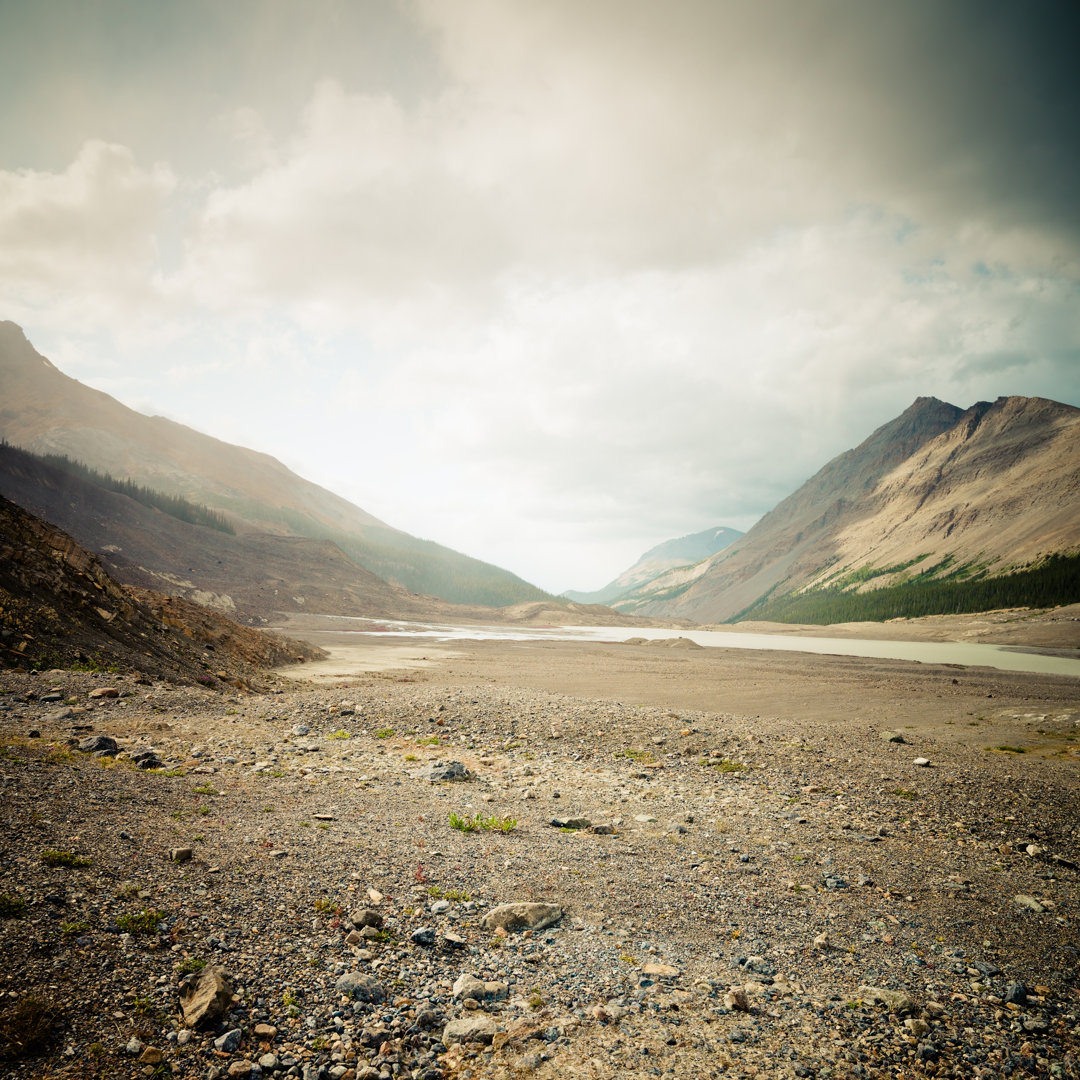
1002, 657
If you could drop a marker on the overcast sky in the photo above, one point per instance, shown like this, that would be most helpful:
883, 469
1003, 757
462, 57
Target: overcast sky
547, 281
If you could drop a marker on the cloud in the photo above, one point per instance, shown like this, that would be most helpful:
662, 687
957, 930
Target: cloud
83, 238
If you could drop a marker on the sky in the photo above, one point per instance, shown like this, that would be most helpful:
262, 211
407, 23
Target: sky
548, 282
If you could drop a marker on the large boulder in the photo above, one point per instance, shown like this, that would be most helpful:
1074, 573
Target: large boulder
205, 997
527, 915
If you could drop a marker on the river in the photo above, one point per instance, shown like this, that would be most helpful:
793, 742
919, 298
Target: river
963, 654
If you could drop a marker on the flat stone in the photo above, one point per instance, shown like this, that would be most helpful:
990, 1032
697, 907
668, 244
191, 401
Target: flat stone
366, 917
180, 854
532, 915
896, 1000
922, 762
660, 971
476, 1028
893, 736
443, 771
1028, 903
571, 823
105, 692
469, 986
265, 1031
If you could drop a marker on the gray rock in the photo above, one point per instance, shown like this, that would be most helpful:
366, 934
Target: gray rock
180, 854
571, 823
1016, 994
360, 987
1028, 903
205, 997
366, 917
230, 1041
522, 916
146, 758
476, 1028
99, 744
425, 935
922, 762
893, 736
134, 1046
469, 986
603, 828
444, 771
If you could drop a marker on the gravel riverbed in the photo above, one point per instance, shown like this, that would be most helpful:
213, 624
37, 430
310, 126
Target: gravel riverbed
731, 895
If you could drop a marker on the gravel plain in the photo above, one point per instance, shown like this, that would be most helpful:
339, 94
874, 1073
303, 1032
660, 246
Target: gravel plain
777, 891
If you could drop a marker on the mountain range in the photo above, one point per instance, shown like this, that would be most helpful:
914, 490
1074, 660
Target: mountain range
939, 493
46, 411
682, 551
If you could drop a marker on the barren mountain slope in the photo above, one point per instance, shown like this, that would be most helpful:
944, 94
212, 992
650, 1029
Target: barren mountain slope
785, 541
996, 485
59, 608
44, 410
683, 551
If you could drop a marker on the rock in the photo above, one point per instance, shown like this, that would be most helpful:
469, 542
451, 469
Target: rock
736, 999
269, 1062
451, 940
146, 758
469, 986
99, 744
134, 1046
603, 828
896, 1000
660, 971
230, 1041
443, 771
1028, 903
366, 917
151, 1056
571, 823
917, 1027
1016, 994
180, 854
105, 692
205, 997
265, 1031
922, 762
478, 1028
893, 736
360, 987
240, 1069
522, 916
822, 941
425, 935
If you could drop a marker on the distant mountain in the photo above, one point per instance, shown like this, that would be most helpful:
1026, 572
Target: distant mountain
671, 553
45, 411
938, 494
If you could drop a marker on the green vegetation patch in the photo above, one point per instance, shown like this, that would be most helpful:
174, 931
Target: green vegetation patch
54, 857
142, 922
384, 733
11, 906
1052, 582
479, 822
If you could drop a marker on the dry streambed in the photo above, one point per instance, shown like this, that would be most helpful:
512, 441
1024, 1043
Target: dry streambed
734, 896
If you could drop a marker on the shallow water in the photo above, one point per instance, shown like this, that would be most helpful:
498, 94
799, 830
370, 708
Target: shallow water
1002, 657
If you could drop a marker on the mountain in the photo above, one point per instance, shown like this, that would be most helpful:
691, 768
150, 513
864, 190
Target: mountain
671, 553
45, 411
59, 608
939, 493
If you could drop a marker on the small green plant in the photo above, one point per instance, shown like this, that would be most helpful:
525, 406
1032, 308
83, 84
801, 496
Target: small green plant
535, 1001
904, 793
11, 906
384, 733
341, 733
1011, 749
725, 765
190, 964
289, 999
198, 838
643, 757
202, 811
73, 929
277, 774
177, 815
143, 1006
411, 757
628, 959
431, 740
205, 789
174, 772
126, 892
322, 825
325, 906
143, 922
53, 857
478, 821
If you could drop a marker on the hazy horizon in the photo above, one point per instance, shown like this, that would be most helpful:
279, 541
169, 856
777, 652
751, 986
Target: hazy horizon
548, 284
